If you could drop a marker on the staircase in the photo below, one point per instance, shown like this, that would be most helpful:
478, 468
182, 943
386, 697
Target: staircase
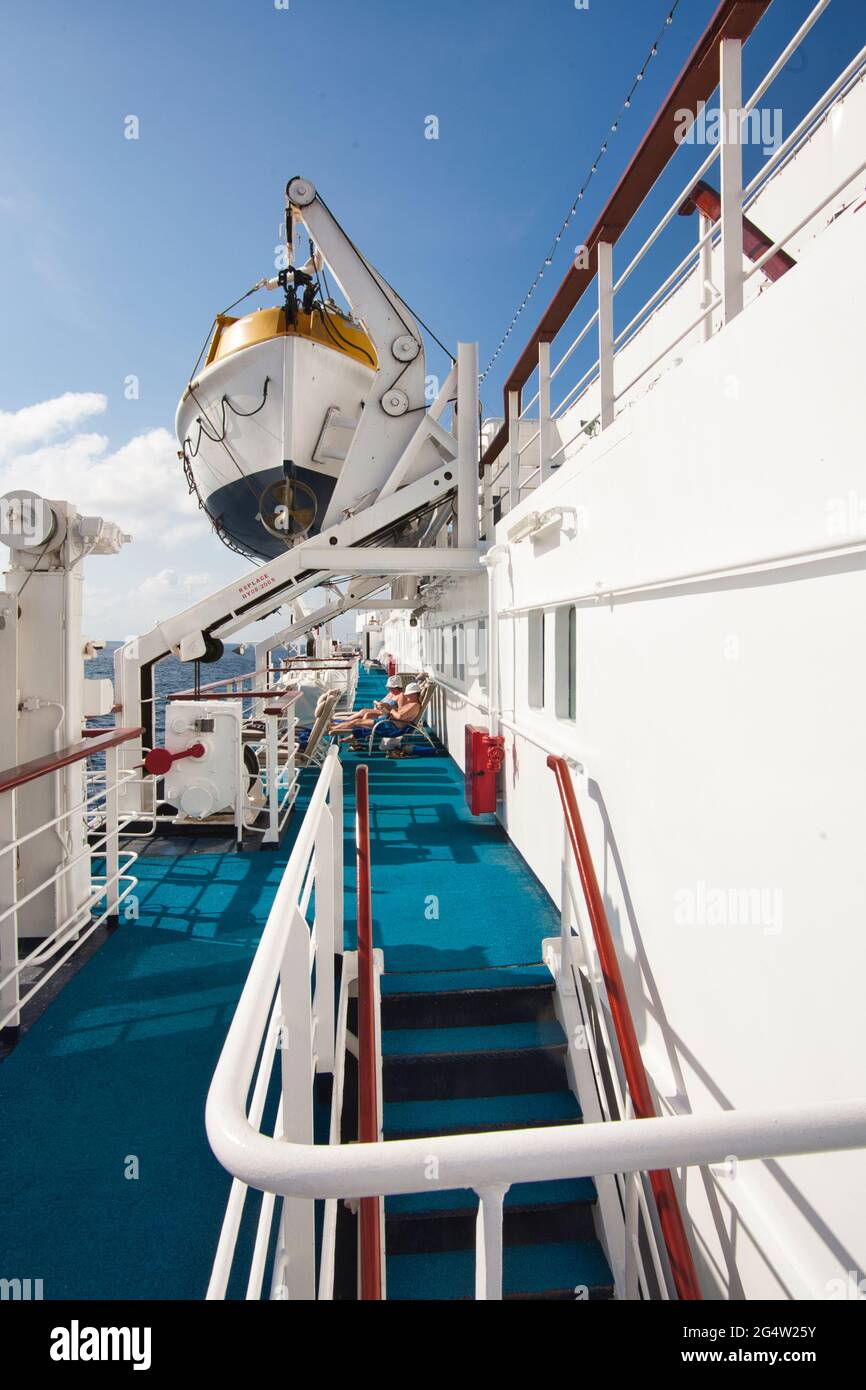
465, 1052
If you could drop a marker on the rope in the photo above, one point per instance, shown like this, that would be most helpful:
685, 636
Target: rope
548, 260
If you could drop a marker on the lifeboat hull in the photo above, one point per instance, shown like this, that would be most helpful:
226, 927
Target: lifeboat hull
282, 400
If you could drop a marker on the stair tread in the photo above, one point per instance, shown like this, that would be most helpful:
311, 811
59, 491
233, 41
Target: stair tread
522, 1194
481, 1112
458, 981
485, 1038
526, 1269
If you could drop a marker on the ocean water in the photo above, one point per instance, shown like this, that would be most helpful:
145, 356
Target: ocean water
171, 675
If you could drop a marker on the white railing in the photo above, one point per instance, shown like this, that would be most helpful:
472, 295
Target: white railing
330, 672
89, 831
628, 1211
280, 770
508, 481
288, 1004
279, 1015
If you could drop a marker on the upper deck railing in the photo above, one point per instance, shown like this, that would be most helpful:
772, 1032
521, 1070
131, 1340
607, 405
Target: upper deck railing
533, 438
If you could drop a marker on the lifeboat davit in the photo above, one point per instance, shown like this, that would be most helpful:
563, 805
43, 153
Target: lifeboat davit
266, 424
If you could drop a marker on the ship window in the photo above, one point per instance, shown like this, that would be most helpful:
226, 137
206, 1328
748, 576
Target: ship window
535, 658
566, 663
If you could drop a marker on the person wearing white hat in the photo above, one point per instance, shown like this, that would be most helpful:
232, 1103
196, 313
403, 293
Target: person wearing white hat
363, 717
405, 712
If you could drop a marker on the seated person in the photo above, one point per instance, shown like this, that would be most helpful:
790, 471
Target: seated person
379, 708
401, 716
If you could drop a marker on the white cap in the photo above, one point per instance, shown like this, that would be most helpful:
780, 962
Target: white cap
393, 682
412, 688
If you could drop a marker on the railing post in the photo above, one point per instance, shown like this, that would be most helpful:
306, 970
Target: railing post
10, 993
487, 504
631, 1213
467, 445
338, 833
112, 862
488, 1243
543, 411
731, 101
705, 271
605, 334
324, 933
369, 1215
513, 449
272, 775
296, 1265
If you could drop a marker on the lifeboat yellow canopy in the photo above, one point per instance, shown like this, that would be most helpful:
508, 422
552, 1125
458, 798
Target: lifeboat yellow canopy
325, 326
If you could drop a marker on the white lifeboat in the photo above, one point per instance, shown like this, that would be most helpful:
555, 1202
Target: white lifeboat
265, 426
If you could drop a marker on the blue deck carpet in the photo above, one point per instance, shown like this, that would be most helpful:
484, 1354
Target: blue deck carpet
116, 1071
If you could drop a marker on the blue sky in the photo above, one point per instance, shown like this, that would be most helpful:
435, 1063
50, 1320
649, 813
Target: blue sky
115, 254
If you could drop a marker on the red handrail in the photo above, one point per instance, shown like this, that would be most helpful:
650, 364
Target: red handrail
312, 663
368, 1102
670, 1216
74, 753
234, 695
215, 685
734, 19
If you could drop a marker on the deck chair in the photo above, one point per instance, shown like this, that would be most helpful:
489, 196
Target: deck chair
417, 727
313, 755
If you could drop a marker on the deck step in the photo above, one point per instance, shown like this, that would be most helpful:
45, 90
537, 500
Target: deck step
455, 1230
465, 1075
413, 1118
566, 1270
530, 1003
448, 981
481, 1039
532, 1194
534, 1214
481, 1051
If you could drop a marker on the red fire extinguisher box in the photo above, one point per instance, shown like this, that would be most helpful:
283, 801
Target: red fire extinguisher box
485, 754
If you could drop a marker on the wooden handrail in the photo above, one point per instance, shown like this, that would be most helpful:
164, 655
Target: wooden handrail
64, 757
368, 1101
330, 663
237, 695
214, 685
734, 19
661, 1182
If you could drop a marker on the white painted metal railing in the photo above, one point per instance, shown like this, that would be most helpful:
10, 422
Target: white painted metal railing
280, 1015
508, 481
288, 1006
629, 1220
108, 888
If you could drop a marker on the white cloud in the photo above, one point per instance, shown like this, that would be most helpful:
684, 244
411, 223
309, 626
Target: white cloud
146, 601
141, 485
52, 449
35, 424
168, 583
